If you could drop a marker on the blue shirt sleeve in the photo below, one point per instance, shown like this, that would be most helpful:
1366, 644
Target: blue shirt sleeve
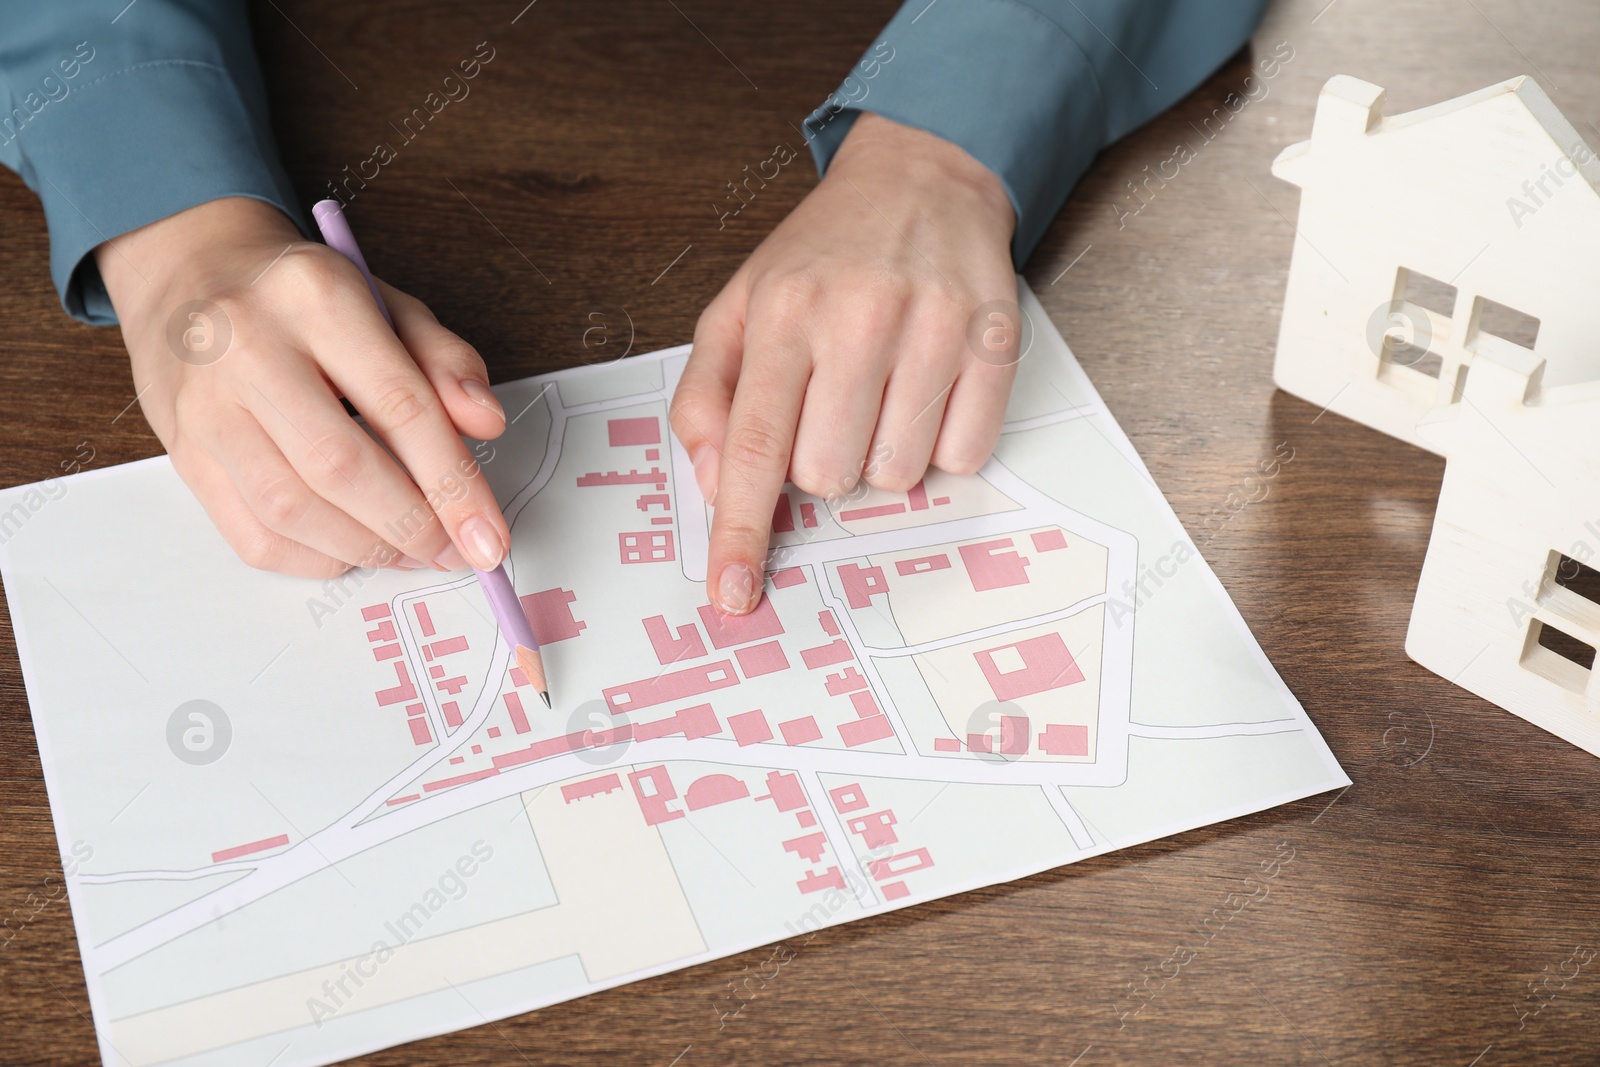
1033, 89
117, 120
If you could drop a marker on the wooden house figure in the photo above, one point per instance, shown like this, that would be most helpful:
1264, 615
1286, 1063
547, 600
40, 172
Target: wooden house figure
1428, 237
1445, 289
1508, 605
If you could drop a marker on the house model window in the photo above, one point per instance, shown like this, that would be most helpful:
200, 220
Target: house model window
1420, 333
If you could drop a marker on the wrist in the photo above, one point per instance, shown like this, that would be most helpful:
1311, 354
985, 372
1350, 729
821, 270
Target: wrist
144, 267
916, 161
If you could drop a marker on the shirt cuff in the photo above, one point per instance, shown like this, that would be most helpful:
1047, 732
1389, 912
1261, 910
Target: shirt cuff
995, 77
118, 165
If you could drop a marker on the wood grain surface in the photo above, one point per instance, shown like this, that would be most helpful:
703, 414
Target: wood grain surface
1419, 905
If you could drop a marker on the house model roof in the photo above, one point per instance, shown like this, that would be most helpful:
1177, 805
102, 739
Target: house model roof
1492, 200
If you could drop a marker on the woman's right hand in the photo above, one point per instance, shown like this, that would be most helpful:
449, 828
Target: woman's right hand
244, 337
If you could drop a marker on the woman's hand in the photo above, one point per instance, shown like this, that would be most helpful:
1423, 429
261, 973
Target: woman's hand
845, 336
244, 337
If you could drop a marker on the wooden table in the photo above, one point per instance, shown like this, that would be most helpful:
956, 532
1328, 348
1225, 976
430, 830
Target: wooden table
1419, 904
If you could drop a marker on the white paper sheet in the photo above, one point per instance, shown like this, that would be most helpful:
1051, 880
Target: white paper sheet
305, 820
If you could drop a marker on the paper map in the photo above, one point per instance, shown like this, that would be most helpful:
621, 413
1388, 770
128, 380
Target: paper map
307, 819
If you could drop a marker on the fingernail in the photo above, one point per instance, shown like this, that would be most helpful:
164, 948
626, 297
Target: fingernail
484, 548
704, 459
483, 396
450, 559
737, 590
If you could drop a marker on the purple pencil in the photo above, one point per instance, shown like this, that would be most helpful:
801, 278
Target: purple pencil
496, 584
514, 624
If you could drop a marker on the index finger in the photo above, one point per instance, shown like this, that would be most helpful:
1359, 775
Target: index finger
755, 464
376, 373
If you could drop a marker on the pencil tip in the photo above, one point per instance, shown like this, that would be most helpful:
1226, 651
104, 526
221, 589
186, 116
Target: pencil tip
545, 697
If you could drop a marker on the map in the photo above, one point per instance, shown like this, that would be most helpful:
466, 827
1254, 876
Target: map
310, 819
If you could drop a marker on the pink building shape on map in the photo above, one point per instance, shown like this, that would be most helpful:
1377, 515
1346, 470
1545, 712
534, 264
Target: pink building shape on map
248, 850
687, 644
756, 660
799, 731
809, 847
922, 564
836, 651
877, 511
653, 788
845, 681
992, 565
1062, 739
654, 476
675, 685
784, 790
646, 546
642, 431
549, 612
591, 787
1050, 540
726, 630
875, 828
864, 731
847, 798
783, 515
816, 883
750, 727
712, 789
861, 584
693, 723
1028, 667
448, 646
783, 579
900, 863
401, 693
1015, 733
519, 716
